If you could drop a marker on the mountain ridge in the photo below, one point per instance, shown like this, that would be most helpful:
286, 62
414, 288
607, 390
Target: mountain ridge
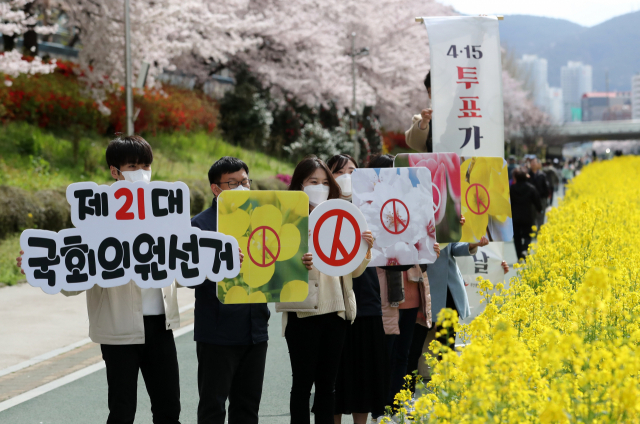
609, 45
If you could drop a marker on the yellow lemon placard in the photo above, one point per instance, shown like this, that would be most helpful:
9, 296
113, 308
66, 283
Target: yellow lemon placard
271, 228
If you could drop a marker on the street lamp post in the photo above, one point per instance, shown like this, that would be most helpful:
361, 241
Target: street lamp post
127, 66
354, 115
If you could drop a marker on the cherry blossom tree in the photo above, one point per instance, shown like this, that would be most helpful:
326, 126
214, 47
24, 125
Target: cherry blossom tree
18, 17
296, 48
306, 53
163, 33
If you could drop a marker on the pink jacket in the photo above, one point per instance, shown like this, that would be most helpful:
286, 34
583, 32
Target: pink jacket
390, 314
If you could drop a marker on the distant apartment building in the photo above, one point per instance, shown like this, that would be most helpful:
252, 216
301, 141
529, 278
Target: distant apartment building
576, 79
635, 96
613, 106
536, 70
555, 105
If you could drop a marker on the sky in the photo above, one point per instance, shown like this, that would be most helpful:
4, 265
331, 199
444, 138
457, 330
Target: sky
584, 12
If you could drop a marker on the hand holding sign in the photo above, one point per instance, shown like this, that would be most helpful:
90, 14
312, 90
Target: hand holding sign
338, 244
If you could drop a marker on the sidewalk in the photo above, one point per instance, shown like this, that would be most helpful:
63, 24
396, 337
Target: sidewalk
36, 324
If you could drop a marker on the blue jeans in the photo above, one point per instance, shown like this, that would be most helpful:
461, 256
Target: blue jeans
398, 349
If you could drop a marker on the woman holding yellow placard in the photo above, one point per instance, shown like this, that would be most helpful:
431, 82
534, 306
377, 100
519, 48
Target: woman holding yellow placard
315, 328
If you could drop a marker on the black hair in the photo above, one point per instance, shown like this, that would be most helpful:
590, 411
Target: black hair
519, 174
225, 165
427, 81
338, 162
381, 161
123, 150
306, 168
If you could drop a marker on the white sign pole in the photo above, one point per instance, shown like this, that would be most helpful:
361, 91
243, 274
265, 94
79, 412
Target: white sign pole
466, 85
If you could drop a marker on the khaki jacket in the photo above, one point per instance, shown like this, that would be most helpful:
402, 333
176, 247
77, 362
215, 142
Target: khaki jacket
330, 300
115, 314
391, 314
415, 137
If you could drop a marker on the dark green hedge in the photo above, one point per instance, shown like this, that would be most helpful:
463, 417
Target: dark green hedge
49, 209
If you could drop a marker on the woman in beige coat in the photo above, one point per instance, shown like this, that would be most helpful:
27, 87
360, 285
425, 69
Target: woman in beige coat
315, 328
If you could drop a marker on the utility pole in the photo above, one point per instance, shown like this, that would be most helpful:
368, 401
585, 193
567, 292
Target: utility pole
127, 66
606, 76
354, 115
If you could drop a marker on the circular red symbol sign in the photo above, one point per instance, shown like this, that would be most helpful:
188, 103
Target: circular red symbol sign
337, 245
398, 225
264, 261
480, 207
437, 207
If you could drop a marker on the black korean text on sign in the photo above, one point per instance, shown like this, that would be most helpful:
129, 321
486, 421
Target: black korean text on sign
174, 200
225, 255
114, 268
45, 262
481, 264
151, 249
76, 256
91, 204
183, 255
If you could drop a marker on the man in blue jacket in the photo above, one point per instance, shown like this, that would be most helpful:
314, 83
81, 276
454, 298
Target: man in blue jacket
231, 340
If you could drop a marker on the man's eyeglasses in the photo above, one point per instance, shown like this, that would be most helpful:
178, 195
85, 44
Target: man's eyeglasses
233, 184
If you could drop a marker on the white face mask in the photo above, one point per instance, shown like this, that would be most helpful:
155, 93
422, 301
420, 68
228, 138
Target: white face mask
240, 188
317, 194
135, 176
344, 181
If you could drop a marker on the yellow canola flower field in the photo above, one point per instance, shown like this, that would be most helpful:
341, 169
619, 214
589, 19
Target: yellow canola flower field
562, 345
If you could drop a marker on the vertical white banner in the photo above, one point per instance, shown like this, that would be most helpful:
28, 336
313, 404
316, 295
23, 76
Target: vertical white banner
466, 85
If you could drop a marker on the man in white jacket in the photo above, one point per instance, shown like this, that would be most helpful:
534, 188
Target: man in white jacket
134, 326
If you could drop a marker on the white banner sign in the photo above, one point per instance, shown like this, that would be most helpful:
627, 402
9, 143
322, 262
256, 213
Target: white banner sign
486, 263
127, 231
466, 85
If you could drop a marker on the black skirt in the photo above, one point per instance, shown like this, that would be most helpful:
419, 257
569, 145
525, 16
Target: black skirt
362, 382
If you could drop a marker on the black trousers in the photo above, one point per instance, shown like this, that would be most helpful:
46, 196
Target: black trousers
315, 349
158, 360
398, 346
521, 238
420, 334
233, 372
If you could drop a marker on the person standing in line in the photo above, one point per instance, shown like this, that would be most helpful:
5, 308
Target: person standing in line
231, 340
419, 136
315, 328
552, 178
539, 181
405, 293
524, 198
362, 373
134, 326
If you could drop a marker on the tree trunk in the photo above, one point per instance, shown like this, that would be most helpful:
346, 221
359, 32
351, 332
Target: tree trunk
9, 42
30, 43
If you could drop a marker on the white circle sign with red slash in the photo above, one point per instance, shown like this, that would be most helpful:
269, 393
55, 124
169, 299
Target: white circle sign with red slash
335, 237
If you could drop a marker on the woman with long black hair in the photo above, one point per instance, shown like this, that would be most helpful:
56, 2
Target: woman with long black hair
315, 328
